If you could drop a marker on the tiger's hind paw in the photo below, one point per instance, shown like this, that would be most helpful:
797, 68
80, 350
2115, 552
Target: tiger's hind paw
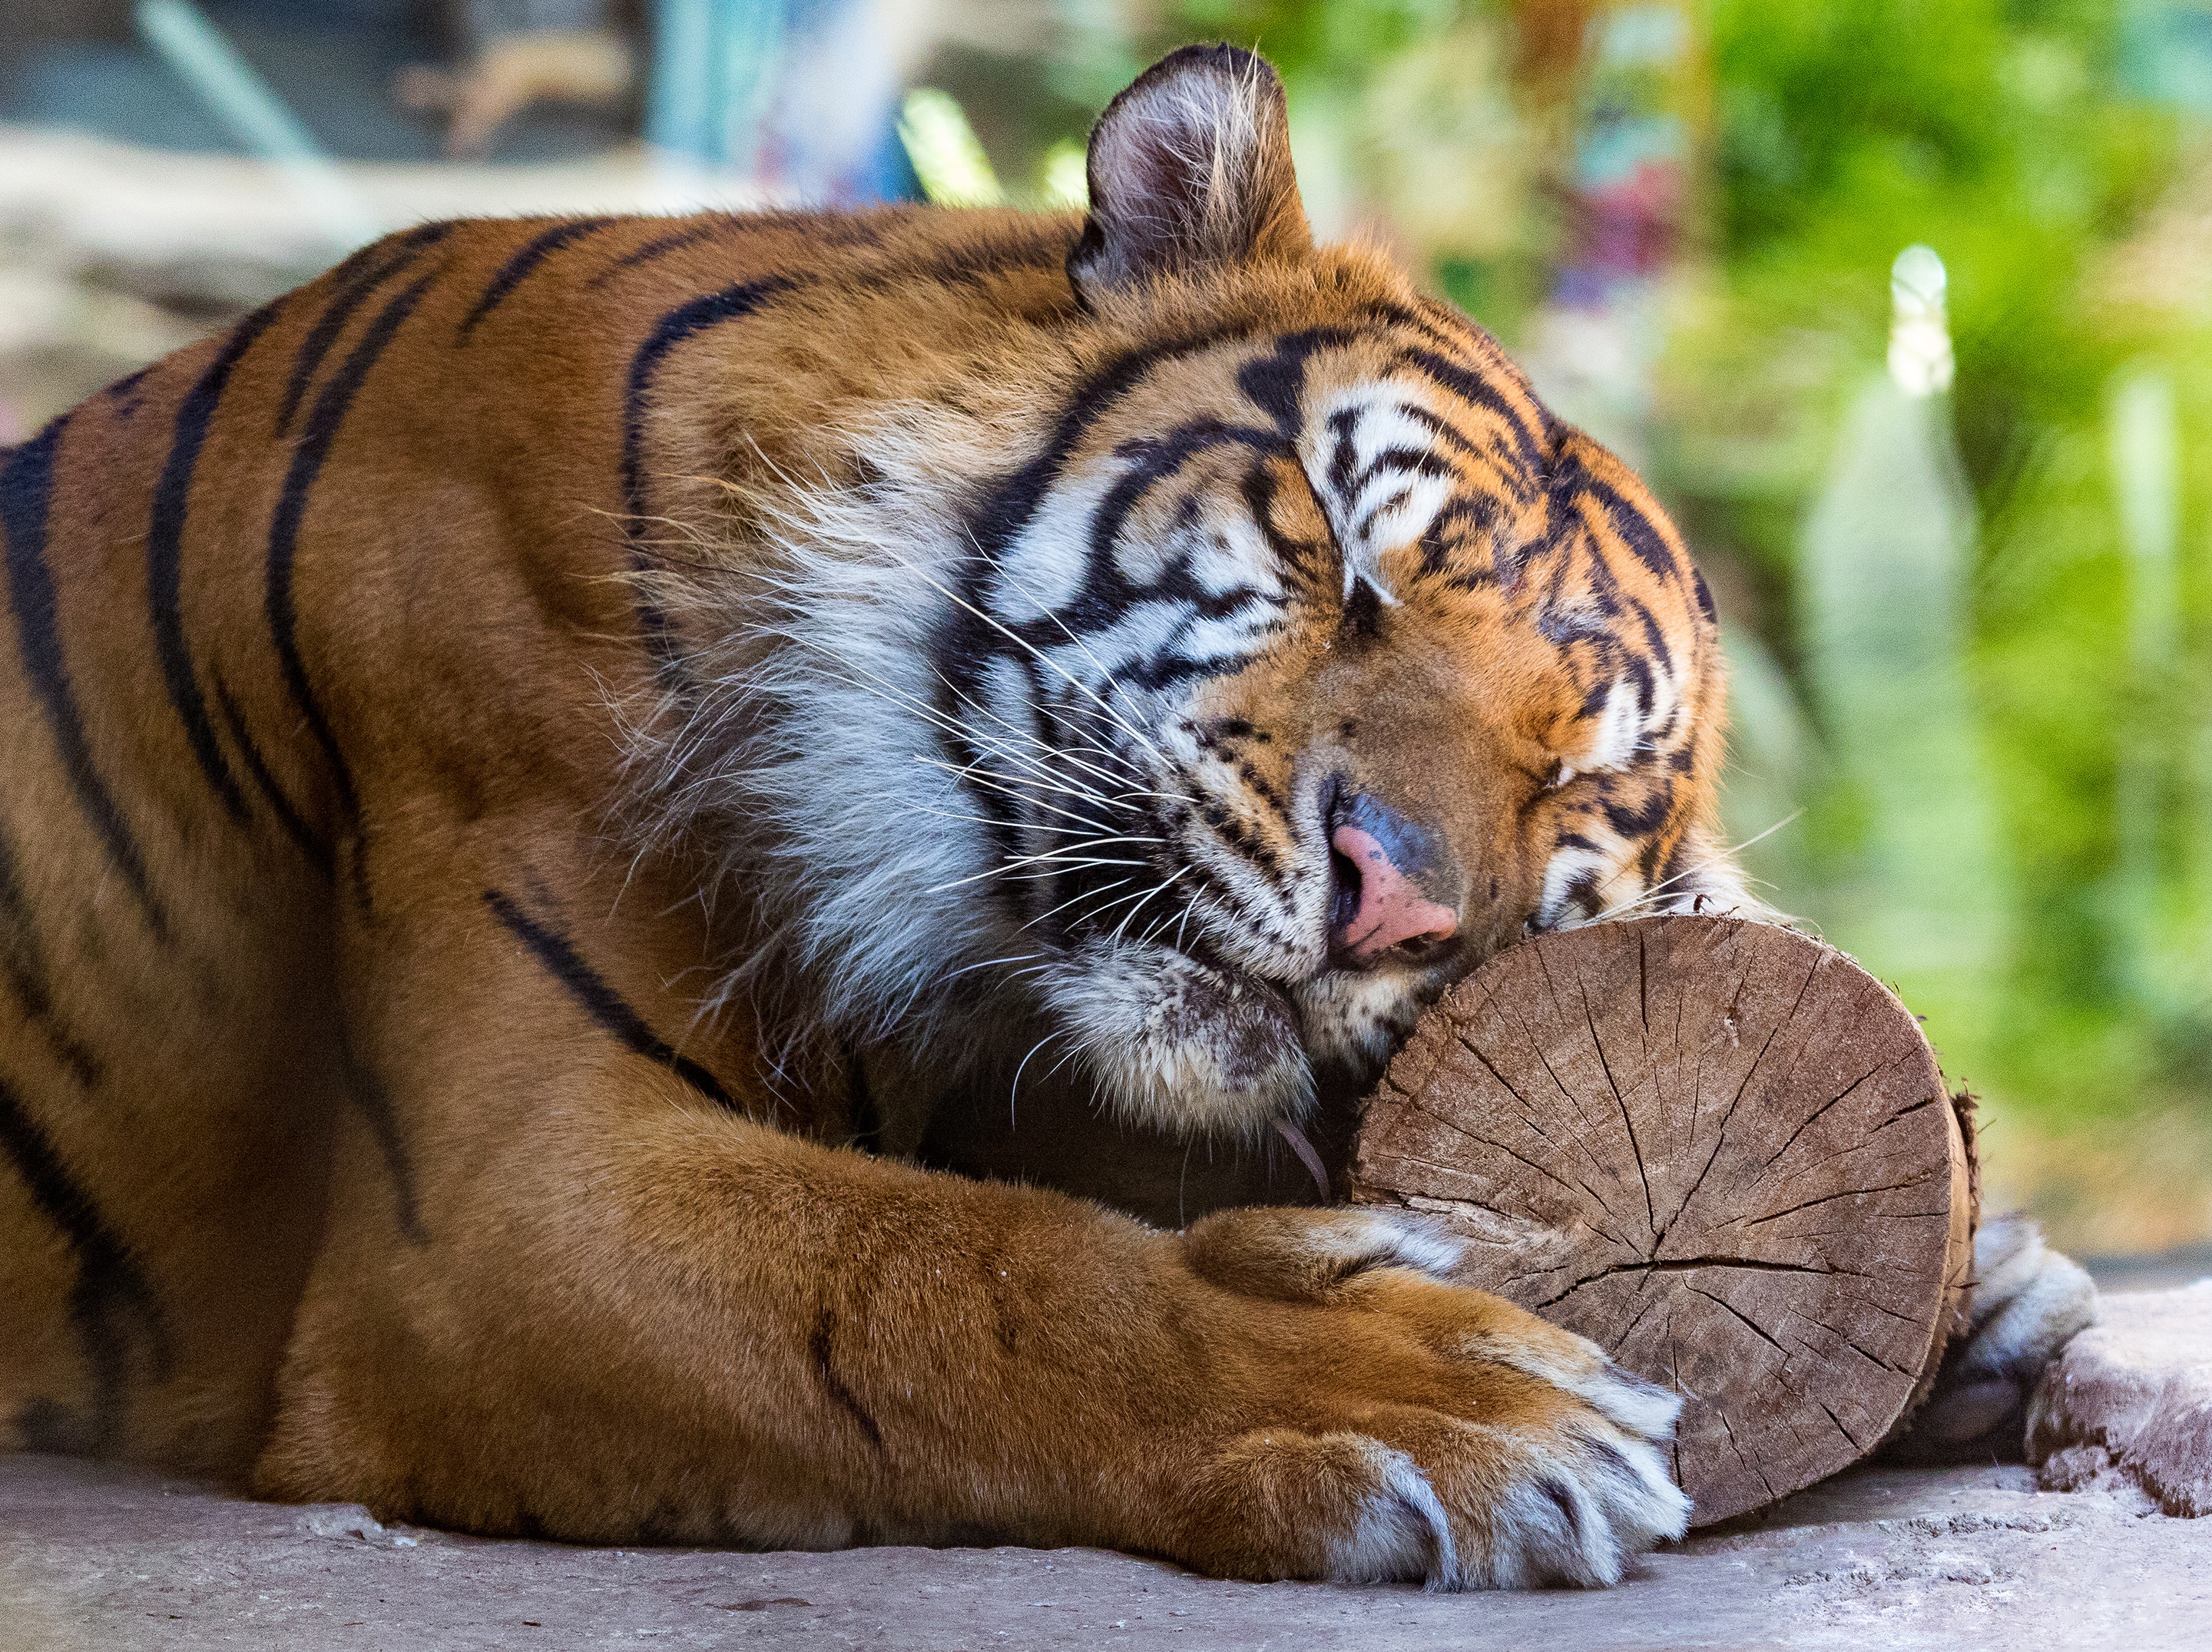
2028, 1304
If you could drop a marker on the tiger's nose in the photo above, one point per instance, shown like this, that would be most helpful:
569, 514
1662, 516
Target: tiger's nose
1387, 870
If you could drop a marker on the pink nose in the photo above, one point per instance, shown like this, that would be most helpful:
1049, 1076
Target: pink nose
1390, 911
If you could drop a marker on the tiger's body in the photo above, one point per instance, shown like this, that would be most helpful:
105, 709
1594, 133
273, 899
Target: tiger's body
528, 755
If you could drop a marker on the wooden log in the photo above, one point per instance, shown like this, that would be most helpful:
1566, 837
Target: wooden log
1718, 1148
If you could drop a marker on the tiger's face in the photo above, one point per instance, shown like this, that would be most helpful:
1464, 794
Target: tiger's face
1215, 670
1313, 667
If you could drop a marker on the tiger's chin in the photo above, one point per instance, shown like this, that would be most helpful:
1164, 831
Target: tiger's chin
1355, 1020
1178, 1044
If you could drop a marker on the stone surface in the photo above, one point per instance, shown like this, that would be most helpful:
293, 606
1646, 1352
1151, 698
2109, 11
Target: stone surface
2158, 1270
1719, 1149
2130, 1401
94, 1557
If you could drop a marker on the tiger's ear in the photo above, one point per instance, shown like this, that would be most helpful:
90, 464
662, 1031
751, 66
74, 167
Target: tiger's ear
1190, 171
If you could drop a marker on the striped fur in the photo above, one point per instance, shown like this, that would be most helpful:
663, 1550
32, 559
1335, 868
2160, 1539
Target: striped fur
525, 756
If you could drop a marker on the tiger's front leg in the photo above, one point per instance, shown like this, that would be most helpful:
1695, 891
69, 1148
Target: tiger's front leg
618, 1309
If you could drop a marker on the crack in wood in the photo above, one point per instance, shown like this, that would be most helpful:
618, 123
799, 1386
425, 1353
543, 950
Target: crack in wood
1765, 1484
1758, 1330
1459, 1129
1589, 1019
1919, 1180
1821, 1111
1692, 1265
1527, 1112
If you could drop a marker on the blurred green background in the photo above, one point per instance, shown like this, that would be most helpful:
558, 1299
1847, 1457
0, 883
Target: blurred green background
1970, 628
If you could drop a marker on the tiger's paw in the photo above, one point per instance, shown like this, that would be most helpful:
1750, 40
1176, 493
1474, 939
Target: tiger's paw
2028, 1304
1411, 1431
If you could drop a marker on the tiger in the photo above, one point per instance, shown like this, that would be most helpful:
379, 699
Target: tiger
538, 771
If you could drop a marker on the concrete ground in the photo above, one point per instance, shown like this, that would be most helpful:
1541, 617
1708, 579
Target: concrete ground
93, 1556
96, 1556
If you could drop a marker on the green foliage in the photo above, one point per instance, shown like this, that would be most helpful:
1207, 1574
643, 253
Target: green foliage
1849, 129
1312, 40
2000, 136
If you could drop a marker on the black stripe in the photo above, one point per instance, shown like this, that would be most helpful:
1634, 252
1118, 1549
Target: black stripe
1273, 384
373, 1097
973, 265
288, 815
1443, 431
1601, 585
661, 246
1344, 453
1403, 461
1654, 638
315, 443
109, 1285
1258, 490
24, 961
25, 493
1635, 822
518, 266
1563, 628
603, 1004
1467, 515
835, 1386
1106, 594
965, 642
356, 279
164, 557
1471, 388
1629, 521
821, 230
125, 392
709, 310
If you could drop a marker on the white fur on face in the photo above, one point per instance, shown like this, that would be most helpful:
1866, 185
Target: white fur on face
1372, 460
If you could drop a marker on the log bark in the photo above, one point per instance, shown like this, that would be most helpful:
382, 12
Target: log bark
1719, 1149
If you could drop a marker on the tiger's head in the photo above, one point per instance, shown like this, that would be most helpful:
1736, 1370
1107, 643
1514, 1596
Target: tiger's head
1295, 661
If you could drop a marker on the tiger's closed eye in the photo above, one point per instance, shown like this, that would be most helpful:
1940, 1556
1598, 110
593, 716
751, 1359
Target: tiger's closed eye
1558, 775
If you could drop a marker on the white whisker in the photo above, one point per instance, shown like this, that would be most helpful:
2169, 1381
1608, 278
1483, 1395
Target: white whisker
1652, 894
1119, 883
1012, 870
987, 964
1069, 831
1044, 659
1014, 1089
1132, 913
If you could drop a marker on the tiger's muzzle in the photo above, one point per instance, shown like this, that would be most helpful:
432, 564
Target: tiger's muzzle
1396, 887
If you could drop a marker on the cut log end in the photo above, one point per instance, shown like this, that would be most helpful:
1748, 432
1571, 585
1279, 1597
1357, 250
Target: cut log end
1720, 1150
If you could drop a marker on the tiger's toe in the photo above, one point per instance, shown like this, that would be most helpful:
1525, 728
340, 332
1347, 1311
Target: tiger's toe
1586, 1496
1413, 1495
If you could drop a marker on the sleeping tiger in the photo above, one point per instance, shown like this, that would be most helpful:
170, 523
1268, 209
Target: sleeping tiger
561, 778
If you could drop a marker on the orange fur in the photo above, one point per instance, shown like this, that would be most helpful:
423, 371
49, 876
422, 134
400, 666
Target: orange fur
419, 1084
